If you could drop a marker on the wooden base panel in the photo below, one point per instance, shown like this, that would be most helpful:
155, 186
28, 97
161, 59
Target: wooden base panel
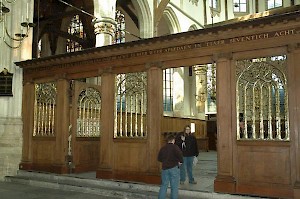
102, 174
296, 193
59, 169
297, 190
270, 191
224, 184
84, 168
25, 166
131, 177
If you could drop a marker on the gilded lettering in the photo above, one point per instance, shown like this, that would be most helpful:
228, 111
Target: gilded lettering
215, 43
284, 32
197, 45
180, 48
231, 40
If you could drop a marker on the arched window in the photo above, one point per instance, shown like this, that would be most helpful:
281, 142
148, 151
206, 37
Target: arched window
240, 6
76, 29
214, 4
274, 4
168, 89
120, 29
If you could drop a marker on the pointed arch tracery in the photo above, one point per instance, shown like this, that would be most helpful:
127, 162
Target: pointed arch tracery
172, 20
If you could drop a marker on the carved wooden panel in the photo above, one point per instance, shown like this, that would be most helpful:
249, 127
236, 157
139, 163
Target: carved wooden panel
130, 156
43, 151
263, 164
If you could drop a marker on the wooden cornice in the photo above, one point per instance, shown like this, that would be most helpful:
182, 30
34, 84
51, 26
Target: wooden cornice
114, 54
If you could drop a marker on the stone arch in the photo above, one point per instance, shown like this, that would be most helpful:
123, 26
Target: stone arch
193, 27
145, 18
171, 20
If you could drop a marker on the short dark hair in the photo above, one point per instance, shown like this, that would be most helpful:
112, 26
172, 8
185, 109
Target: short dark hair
170, 138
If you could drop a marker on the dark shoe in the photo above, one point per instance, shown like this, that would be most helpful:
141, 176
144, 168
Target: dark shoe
193, 182
181, 182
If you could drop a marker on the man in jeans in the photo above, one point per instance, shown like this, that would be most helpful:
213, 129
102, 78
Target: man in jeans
171, 158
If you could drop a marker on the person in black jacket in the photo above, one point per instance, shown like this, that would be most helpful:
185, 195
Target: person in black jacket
187, 142
171, 158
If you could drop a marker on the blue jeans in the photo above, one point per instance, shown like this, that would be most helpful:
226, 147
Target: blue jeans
172, 176
187, 166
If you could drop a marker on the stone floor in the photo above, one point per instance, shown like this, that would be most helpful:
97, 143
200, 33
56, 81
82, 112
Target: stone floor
204, 172
85, 185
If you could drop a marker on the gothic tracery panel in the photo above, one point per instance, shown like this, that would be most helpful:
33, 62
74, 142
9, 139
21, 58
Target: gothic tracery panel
45, 109
131, 106
89, 109
262, 99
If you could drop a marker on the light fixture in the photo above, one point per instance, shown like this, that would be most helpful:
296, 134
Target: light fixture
201, 78
206, 82
10, 39
211, 82
201, 97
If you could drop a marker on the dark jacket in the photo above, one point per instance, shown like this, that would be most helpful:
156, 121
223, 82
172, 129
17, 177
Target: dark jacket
170, 156
189, 147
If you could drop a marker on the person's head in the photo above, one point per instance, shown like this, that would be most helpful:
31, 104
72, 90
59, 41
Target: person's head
171, 139
187, 129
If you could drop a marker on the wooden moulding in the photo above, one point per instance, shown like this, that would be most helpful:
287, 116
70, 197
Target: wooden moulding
59, 169
225, 184
270, 190
297, 190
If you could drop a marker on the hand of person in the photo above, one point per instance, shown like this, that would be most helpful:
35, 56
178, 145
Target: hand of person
182, 138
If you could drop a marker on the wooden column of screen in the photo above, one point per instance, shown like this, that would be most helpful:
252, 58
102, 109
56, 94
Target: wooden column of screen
62, 120
28, 120
294, 101
224, 181
105, 167
154, 117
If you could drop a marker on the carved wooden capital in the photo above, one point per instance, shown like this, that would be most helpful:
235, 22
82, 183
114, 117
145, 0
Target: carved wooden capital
104, 71
61, 76
292, 47
153, 65
219, 56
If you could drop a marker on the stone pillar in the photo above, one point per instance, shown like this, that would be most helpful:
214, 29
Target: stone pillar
154, 118
107, 126
28, 120
62, 126
224, 181
105, 34
186, 92
104, 30
294, 112
178, 98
